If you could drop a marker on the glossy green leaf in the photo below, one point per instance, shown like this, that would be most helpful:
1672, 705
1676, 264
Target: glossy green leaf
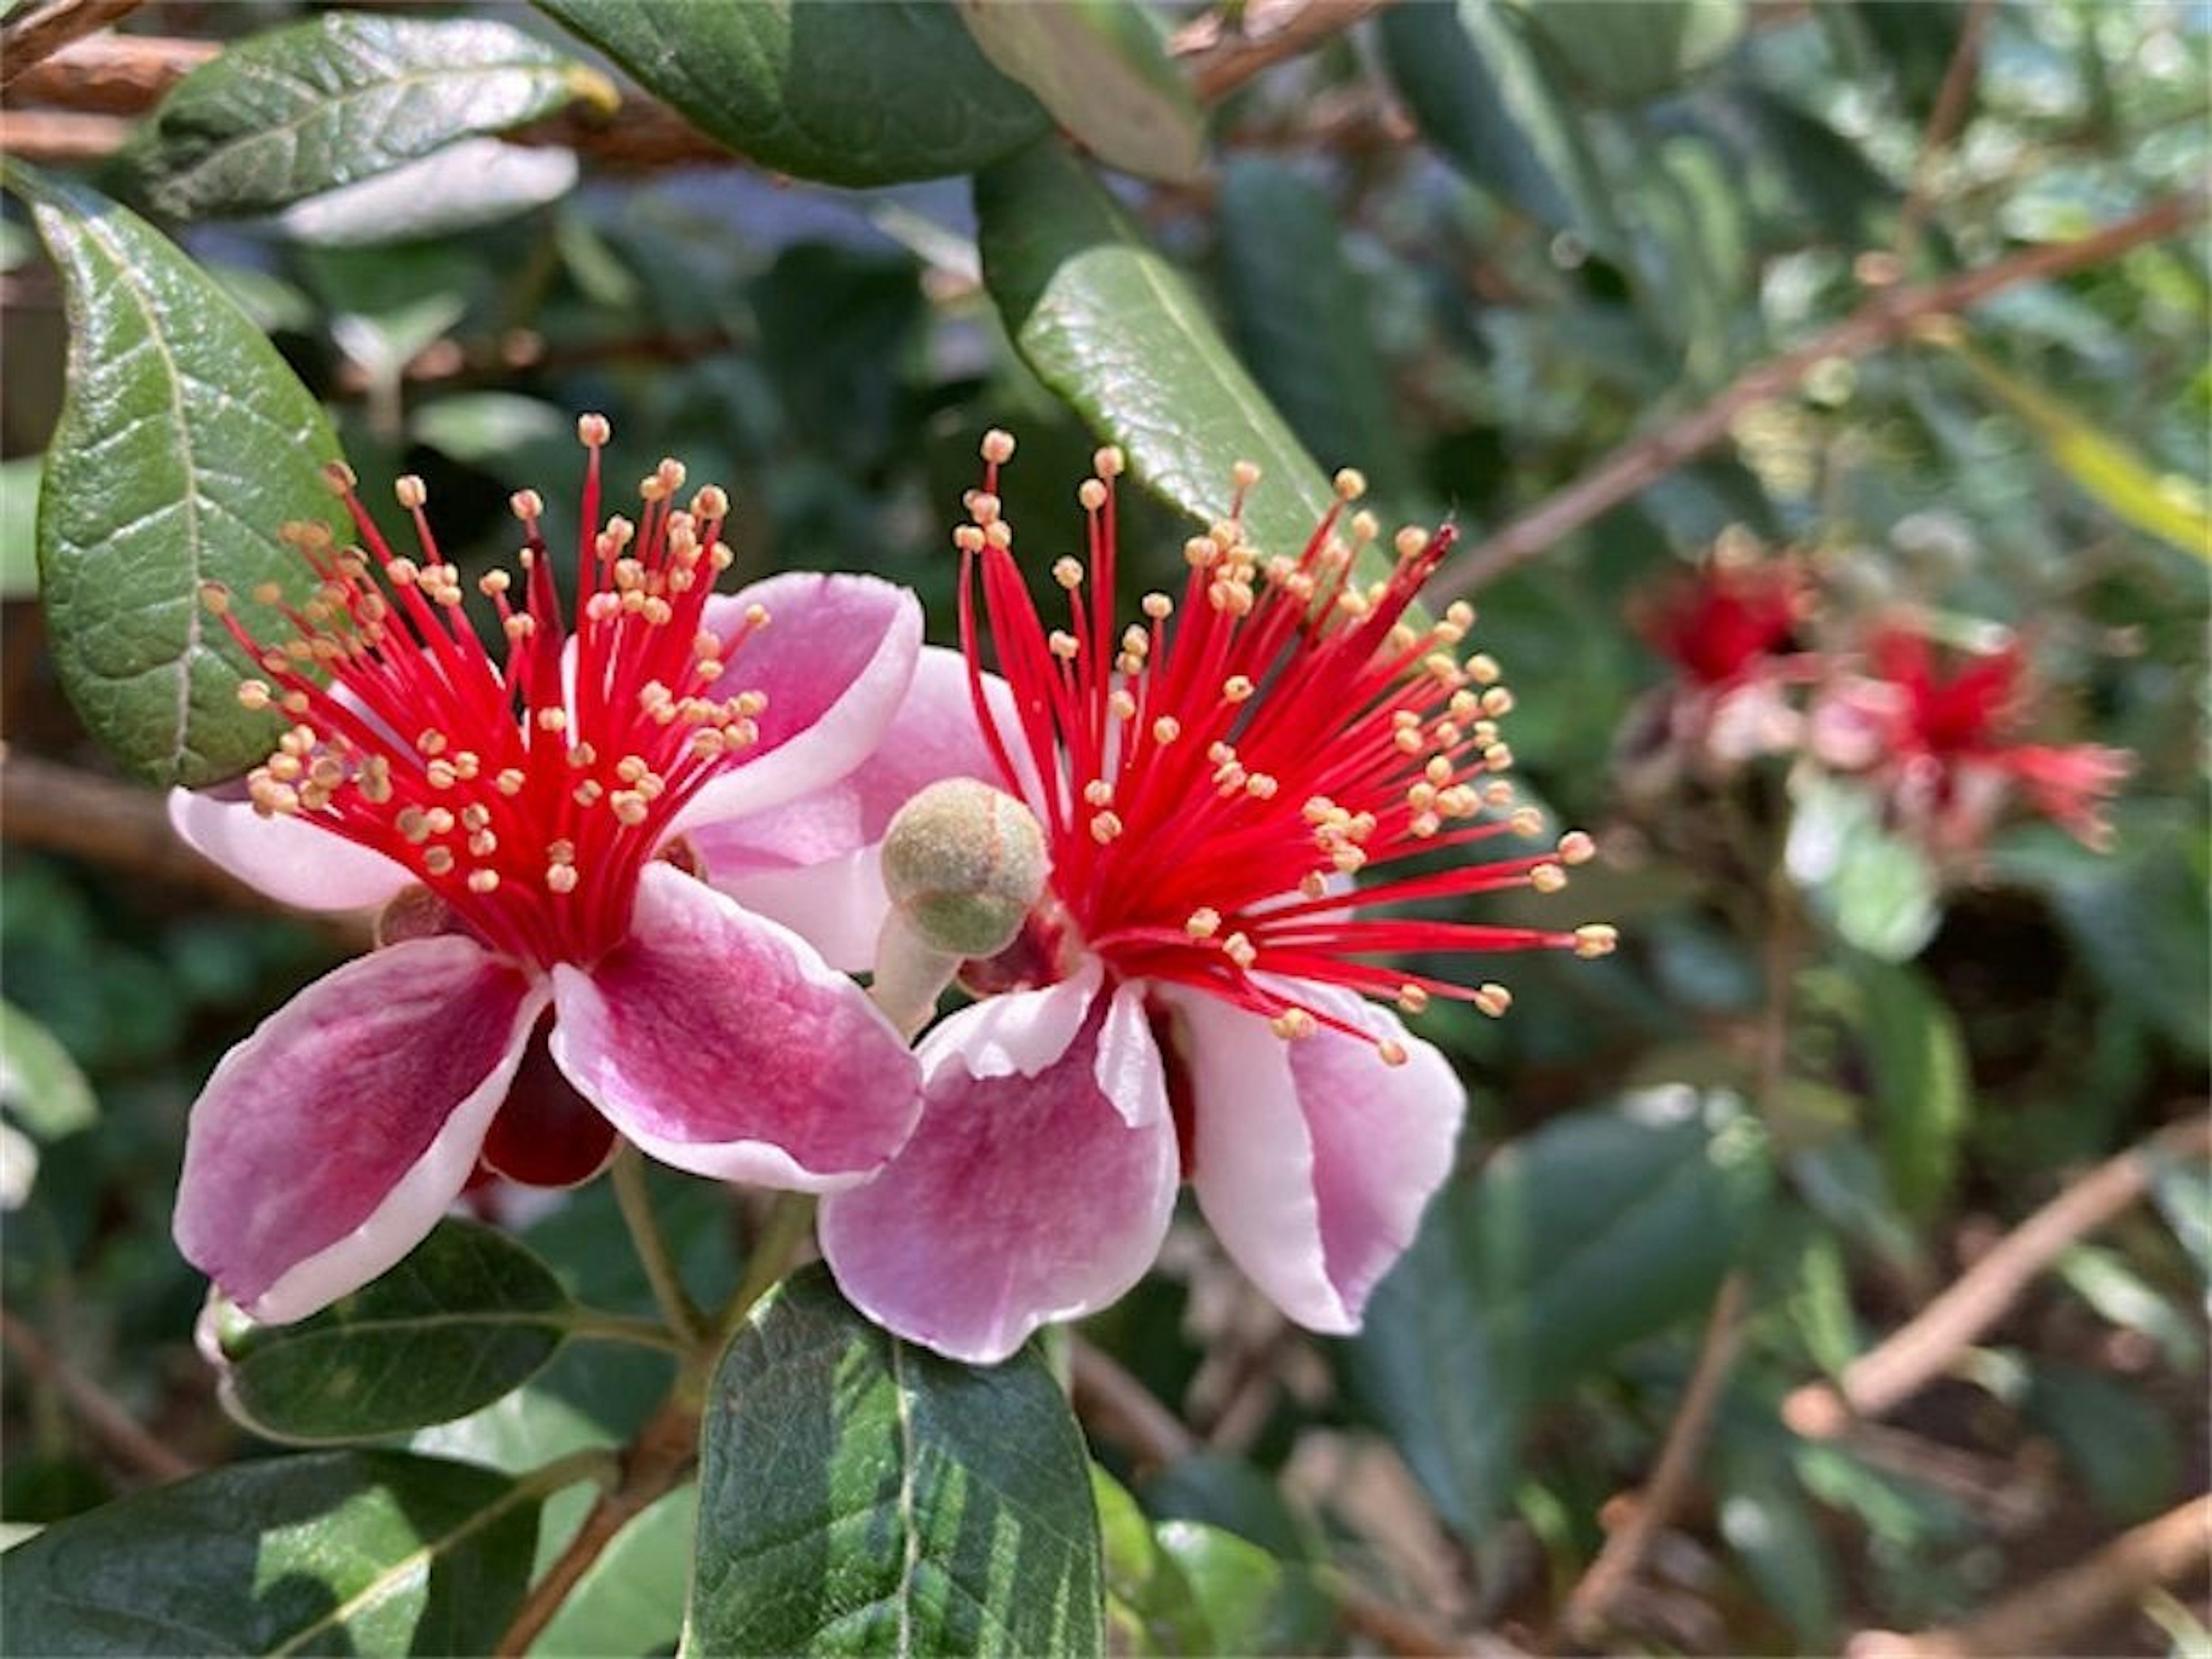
470, 183
1601, 1228
859, 1495
469, 1315
334, 1552
40, 1086
1916, 1058
2167, 505
184, 444
1485, 97
1627, 51
1102, 68
1298, 315
849, 94
1116, 330
303, 110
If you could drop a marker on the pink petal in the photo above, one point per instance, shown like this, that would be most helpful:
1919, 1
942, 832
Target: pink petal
1021, 1198
720, 1043
1313, 1159
1021, 1035
834, 660
294, 862
811, 864
329, 1142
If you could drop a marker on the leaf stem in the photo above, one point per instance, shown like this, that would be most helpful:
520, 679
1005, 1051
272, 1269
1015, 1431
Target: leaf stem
650, 1467
594, 1326
789, 1221
652, 1254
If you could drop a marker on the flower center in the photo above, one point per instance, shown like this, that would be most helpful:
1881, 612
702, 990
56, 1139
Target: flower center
524, 791
1209, 792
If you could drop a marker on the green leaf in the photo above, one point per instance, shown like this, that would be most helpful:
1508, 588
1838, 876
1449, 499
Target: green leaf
858, 1494
1877, 890
337, 1552
299, 111
2119, 1443
1102, 68
1298, 315
1599, 1229
1485, 98
19, 527
1114, 329
2167, 505
1252, 1602
39, 1084
471, 182
1149, 1605
631, 1600
1917, 1059
184, 444
1768, 1522
467, 1316
846, 94
1628, 51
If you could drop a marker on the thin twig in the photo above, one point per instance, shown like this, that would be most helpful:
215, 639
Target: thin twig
113, 1426
635, 1202
1588, 1603
2039, 1618
1924, 1349
1951, 100
775, 1250
653, 1465
1890, 315
1118, 1407
42, 28
113, 74
1220, 59
64, 809
61, 137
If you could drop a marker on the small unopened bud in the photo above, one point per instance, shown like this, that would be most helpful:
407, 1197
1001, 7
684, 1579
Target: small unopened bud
963, 864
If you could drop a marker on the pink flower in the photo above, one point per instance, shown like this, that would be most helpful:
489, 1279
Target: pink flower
1189, 999
1939, 740
1730, 629
551, 972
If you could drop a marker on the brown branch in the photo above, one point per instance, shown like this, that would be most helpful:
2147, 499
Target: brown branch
653, 1465
61, 136
1889, 316
1924, 1348
113, 74
63, 809
113, 1426
1583, 1616
2039, 1618
1221, 59
44, 27
1951, 100
1118, 1407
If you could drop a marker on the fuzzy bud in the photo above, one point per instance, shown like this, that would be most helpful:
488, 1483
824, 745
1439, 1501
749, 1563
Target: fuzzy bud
963, 864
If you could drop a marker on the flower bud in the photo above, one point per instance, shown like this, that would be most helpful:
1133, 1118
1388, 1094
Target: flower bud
963, 863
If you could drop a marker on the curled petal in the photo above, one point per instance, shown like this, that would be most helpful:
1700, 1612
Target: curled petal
293, 862
834, 661
1021, 1035
721, 1043
327, 1143
1022, 1197
811, 863
1313, 1159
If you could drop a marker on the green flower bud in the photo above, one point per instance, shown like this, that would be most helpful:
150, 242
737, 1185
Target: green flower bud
963, 864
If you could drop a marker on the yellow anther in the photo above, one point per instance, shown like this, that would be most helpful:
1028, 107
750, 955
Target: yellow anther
592, 431
1577, 848
1105, 827
1412, 999
1239, 950
1493, 999
1596, 938
1067, 572
410, 492
1098, 792
1548, 878
1409, 541
1166, 729
998, 446
1203, 922
484, 881
1091, 493
1391, 1052
1350, 483
561, 877
438, 861
1237, 688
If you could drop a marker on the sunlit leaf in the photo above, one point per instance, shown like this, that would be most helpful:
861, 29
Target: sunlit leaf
1114, 327
303, 110
184, 444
